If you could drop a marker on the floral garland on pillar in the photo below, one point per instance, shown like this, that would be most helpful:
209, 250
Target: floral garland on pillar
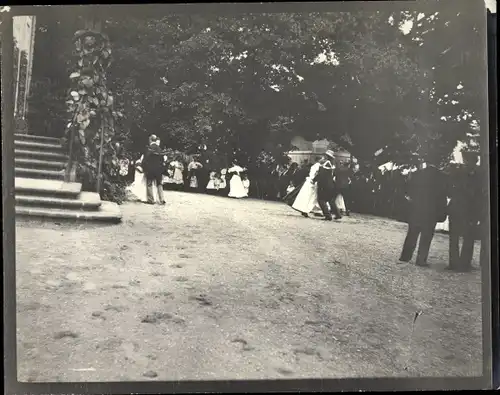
91, 106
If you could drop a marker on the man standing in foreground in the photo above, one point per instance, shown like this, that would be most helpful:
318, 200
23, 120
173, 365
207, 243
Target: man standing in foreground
153, 165
465, 212
427, 197
326, 187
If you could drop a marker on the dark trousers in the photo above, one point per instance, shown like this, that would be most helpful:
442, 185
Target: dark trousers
461, 258
325, 197
426, 233
150, 178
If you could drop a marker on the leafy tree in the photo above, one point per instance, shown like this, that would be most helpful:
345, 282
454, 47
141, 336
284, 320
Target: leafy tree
449, 47
246, 84
233, 63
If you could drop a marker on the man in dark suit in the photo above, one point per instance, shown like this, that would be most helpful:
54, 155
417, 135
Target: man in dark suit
153, 165
343, 176
326, 187
426, 192
465, 212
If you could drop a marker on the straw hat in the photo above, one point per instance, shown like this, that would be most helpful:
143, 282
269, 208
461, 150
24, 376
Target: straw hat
153, 139
330, 154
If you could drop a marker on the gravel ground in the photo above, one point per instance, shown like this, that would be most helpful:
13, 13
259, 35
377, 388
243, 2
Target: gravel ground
213, 288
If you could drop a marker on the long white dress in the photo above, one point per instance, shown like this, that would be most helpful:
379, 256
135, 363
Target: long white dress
175, 175
236, 187
307, 197
138, 189
213, 183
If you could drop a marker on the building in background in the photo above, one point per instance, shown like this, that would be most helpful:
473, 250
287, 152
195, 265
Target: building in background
308, 151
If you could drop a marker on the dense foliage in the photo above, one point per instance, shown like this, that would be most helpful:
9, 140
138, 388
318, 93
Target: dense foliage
244, 85
90, 133
254, 81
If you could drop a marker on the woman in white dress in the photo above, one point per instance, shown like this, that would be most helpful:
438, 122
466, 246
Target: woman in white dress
236, 187
194, 168
307, 198
175, 174
213, 183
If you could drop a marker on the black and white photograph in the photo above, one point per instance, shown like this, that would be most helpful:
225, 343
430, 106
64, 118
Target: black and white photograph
260, 191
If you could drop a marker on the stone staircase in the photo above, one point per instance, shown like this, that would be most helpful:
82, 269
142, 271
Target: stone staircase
40, 188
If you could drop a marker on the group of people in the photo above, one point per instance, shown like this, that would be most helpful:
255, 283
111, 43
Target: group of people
232, 182
461, 197
154, 172
324, 187
432, 196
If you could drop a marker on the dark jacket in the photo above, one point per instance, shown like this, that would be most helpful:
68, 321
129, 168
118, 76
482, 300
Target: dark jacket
342, 177
468, 200
153, 161
427, 189
326, 185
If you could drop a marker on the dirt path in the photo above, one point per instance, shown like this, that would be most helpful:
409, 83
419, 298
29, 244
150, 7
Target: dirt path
212, 288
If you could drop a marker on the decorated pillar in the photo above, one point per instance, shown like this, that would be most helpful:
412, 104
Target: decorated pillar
90, 131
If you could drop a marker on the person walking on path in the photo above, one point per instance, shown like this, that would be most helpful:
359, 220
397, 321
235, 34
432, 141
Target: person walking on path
299, 178
305, 196
138, 188
427, 198
153, 165
326, 187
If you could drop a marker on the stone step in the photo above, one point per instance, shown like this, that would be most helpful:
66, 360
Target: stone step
33, 186
87, 201
107, 212
38, 146
40, 154
39, 163
39, 173
35, 138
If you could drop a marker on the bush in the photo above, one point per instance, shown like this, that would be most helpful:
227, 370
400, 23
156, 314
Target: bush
113, 186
